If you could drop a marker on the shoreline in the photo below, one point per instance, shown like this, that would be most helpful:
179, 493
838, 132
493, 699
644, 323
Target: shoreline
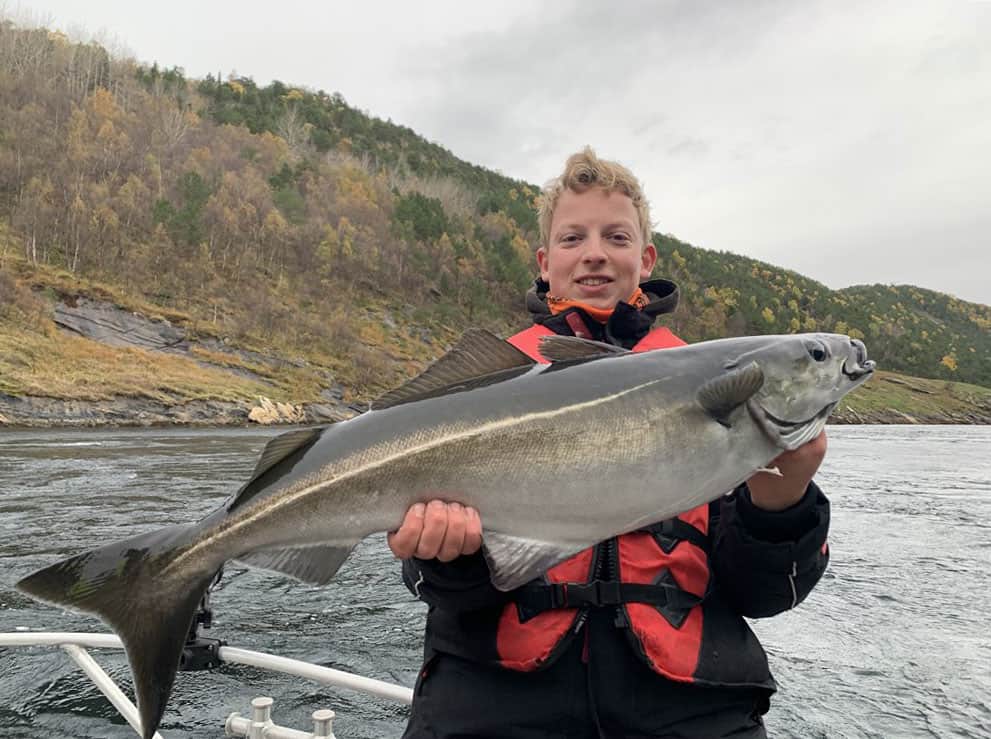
35, 412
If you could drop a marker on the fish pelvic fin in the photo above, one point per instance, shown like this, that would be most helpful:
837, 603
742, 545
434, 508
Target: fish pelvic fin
128, 585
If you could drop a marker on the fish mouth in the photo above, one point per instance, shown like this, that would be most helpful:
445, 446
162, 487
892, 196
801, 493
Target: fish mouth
861, 366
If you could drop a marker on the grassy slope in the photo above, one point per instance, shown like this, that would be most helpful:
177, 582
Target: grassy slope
38, 359
917, 397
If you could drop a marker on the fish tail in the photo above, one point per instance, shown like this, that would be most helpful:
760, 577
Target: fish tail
130, 586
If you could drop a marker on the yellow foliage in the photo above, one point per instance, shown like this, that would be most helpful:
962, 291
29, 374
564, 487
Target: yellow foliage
950, 362
293, 95
237, 87
768, 315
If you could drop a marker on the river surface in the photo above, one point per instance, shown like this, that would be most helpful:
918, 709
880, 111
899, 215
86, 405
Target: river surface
894, 642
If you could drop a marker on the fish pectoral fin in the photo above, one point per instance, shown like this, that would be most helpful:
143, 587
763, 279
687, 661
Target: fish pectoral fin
316, 564
479, 358
721, 395
514, 561
571, 348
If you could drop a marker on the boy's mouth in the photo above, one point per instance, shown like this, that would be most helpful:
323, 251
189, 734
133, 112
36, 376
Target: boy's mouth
593, 281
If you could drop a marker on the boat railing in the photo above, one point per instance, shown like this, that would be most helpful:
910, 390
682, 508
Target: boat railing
259, 725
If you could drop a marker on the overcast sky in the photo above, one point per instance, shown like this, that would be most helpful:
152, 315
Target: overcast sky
850, 141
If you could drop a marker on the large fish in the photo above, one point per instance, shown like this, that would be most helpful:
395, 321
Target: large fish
555, 457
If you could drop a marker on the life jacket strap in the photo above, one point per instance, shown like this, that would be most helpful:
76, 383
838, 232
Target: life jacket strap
670, 532
535, 598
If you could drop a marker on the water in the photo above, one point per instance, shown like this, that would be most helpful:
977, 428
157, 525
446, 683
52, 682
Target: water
893, 642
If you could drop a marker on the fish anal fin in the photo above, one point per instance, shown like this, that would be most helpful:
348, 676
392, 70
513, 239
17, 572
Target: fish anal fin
514, 561
479, 358
315, 564
720, 396
571, 348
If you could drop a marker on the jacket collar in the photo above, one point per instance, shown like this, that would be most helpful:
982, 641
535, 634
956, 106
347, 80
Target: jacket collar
625, 327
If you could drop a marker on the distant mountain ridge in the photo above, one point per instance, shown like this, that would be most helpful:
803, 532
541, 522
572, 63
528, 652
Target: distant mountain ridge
282, 219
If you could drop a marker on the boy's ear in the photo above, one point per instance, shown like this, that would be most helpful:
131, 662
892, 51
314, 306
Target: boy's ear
647, 260
542, 262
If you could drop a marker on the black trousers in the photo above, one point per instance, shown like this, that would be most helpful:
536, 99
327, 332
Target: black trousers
597, 689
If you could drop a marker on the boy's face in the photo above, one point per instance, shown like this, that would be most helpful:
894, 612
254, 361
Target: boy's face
596, 253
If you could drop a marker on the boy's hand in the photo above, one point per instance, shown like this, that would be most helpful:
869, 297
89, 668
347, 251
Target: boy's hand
442, 530
773, 493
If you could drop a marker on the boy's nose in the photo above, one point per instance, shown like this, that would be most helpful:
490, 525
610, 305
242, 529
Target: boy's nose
594, 251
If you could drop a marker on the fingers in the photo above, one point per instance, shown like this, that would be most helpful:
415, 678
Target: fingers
404, 540
437, 530
454, 537
434, 529
473, 532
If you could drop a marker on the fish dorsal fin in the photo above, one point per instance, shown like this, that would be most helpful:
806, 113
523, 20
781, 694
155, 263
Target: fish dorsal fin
514, 560
570, 348
479, 358
274, 452
721, 395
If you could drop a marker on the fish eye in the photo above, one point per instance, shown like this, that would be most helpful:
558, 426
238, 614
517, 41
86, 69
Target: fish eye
817, 350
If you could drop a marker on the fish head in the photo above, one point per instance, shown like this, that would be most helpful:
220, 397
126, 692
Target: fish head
805, 377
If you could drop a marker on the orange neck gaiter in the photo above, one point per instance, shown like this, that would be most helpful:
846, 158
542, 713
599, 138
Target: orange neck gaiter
558, 305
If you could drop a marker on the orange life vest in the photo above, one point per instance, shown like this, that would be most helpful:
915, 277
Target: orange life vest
670, 645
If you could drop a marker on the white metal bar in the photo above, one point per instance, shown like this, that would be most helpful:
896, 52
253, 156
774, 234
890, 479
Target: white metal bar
325, 675
107, 686
55, 639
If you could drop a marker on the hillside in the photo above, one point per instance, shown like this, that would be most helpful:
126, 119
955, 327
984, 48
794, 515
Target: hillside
281, 244
908, 329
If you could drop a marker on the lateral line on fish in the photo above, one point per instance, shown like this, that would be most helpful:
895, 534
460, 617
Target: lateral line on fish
267, 505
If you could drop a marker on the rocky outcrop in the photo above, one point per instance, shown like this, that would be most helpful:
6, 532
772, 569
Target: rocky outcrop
44, 412
38, 412
269, 412
108, 324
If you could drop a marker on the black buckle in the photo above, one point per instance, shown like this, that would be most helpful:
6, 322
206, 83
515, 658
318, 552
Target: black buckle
596, 593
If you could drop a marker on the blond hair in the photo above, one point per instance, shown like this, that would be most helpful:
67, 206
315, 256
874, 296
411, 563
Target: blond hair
584, 171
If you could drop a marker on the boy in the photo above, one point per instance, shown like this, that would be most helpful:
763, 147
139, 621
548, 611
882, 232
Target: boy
642, 635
